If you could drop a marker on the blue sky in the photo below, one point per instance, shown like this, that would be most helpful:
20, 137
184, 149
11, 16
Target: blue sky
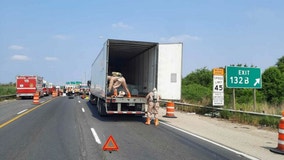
59, 39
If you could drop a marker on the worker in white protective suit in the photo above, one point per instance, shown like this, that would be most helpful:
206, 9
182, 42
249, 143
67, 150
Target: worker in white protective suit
153, 99
115, 81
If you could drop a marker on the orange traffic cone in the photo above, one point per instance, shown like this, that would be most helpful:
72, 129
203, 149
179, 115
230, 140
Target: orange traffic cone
53, 94
170, 110
36, 98
280, 147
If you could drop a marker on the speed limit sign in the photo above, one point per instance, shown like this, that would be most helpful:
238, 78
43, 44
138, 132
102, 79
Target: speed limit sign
218, 87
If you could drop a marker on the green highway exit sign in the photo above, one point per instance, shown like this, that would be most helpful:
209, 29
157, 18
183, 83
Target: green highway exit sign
243, 77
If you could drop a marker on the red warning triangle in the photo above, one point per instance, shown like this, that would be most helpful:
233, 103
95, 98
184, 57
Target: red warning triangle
110, 144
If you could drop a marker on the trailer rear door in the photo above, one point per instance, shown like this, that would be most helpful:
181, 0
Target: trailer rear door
169, 71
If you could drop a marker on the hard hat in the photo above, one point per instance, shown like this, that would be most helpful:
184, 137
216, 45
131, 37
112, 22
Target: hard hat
154, 89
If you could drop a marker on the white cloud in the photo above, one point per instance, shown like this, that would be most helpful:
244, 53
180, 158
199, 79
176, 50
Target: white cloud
60, 37
121, 25
18, 57
51, 58
180, 38
16, 47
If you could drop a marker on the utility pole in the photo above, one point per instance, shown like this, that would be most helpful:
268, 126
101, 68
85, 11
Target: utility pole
85, 78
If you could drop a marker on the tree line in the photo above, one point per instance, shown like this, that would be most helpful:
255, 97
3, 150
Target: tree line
197, 87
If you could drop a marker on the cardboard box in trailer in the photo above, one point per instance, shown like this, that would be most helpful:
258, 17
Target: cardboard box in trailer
27, 86
144, 65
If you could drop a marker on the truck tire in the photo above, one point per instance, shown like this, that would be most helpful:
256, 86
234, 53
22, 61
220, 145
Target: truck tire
93, 99
101, 107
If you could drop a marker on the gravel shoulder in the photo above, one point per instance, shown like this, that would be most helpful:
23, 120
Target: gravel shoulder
251, 140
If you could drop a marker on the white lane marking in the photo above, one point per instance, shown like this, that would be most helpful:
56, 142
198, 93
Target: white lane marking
79, 101
83, 110
22, 111
96, 136
207, 140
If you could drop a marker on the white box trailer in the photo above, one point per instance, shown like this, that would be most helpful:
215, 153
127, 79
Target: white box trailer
144, 65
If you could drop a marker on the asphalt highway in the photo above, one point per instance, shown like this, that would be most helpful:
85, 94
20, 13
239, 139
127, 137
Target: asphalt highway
64, 128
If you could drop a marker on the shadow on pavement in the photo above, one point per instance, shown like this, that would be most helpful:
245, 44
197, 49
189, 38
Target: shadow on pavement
113, 118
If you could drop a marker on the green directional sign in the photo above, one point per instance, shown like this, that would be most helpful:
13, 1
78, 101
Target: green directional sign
78, 82
243, 77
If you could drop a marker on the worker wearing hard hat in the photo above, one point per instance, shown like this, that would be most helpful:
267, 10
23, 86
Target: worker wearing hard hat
153, 99
115, 81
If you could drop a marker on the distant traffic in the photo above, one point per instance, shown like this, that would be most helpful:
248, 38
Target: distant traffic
28, 85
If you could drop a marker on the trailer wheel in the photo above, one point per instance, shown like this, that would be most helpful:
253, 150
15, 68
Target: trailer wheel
101, 107
92, 99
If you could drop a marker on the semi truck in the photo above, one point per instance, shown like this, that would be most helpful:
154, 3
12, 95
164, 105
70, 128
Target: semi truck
144, 65
27, 86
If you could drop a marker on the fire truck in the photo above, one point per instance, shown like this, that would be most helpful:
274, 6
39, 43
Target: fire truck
27, 86
51, 88
48, 88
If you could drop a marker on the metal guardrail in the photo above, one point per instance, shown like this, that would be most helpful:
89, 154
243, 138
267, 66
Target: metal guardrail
230, 110
195, 105
7, 96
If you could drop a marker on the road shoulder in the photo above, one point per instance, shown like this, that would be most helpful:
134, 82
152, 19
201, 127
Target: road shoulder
251, 140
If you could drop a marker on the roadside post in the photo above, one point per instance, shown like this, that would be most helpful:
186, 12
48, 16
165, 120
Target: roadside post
218, 88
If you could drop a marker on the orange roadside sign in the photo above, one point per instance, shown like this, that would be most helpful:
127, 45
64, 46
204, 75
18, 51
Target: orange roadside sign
218, 71
110, 144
